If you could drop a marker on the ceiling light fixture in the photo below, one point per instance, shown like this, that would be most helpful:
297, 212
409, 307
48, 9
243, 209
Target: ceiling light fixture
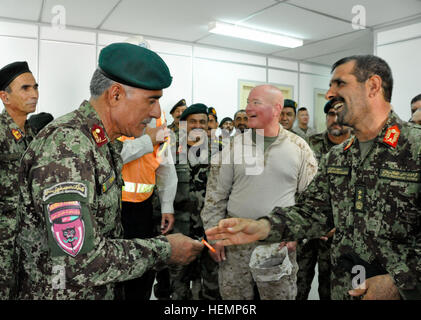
236, 31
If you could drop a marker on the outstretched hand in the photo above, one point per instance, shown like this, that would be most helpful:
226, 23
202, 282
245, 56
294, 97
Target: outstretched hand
239, 231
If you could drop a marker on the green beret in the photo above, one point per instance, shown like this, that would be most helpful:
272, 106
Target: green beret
11, 72
328, 106
225, 120
194, 109
134, 66
290, 103
180, 103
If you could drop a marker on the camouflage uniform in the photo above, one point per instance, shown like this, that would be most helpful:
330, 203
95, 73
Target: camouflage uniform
300, 134
304, 134
173, 128
225, 198
374, 203
315, 251
191, 189
70, 182
13, 143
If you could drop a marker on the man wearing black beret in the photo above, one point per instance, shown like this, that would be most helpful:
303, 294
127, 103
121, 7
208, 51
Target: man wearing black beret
19, 93
70, 234
288, 115
176, 112
192, 165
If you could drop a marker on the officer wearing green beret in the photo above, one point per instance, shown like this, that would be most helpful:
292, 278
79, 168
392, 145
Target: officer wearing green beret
19, 94
192, 165
70, 234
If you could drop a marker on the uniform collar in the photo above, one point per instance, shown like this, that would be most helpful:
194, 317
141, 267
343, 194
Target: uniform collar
388, 136
14, 130
94, 123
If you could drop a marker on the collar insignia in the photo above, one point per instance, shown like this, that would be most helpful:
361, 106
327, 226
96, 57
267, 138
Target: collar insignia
16, 134
392, 135
99, 135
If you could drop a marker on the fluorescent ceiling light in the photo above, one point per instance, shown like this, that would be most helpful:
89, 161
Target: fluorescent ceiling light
236, 31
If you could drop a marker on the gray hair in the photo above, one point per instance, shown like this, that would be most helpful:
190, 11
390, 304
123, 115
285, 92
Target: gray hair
100, 83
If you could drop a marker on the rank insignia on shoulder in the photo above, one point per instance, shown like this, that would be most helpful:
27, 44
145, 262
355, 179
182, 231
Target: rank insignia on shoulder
349, 144
16, 134
392, 135
99, 135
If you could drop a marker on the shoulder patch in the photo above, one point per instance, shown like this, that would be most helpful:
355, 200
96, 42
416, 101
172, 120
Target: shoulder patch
65, 187
67, 226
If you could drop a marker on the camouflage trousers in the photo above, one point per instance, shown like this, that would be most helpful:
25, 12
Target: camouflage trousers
308, 254
201, 274
8, 258
236, 280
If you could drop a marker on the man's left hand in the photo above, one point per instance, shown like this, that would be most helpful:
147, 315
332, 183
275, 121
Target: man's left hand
377, 288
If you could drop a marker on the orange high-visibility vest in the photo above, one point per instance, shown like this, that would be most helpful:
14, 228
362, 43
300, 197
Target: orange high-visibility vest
139, 175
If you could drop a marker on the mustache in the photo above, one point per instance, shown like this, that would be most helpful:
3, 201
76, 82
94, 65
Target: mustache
334, 101
146, 121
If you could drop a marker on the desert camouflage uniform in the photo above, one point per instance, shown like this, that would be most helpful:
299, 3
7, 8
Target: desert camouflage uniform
315, 251
374, 203
235, 277
13, 143
72, 166
191, 189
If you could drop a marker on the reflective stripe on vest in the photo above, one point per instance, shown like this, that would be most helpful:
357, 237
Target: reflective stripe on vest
141, 187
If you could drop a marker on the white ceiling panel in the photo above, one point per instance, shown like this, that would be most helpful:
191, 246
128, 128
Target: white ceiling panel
363, 38
377, 11
79, 13
185, 20
289, 20
324, 25
239, 44
332, 58
22, 9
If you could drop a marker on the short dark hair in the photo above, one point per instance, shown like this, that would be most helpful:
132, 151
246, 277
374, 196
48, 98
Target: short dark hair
367, 66
302, 109
241, 110
416, 98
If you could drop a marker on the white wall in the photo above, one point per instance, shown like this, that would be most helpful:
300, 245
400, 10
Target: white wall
63, 61
400, 48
